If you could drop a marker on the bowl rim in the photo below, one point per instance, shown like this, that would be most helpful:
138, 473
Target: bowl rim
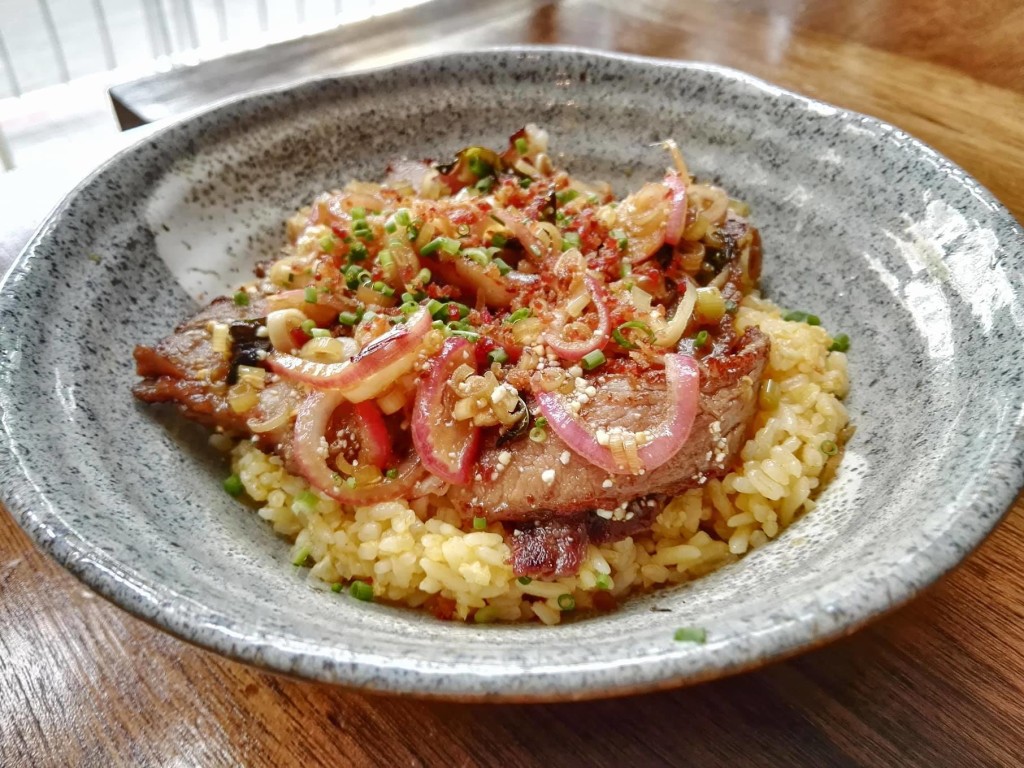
154, 603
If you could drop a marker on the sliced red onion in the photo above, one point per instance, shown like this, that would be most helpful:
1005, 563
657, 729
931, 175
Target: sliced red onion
311, 458
324, 310
576, 350
682, 382
367, 374
677, 209
521, 232
447, 448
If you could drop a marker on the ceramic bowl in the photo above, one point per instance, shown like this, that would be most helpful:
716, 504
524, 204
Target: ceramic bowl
862, 224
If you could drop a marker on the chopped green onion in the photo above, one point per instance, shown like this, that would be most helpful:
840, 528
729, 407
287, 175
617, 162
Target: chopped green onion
593, 359
308, 499
502, 265
391, 474
525, 182
434, 307
625, 269
566, 196
357, 252
485, 615
570, 240
538, 434
423, 276
690, 635
603, 581
412, 232
319, 333
701, 340
463, 309
620, 337
301, 557
348, 318
519, 314
390, 226
620, 238
840, 343
242, 299
480, 167
358, 213
233, 485
385, 259
438, 325
307, 327
446, 244
479, 255
360, 590
408, 298
464, 333
485, 184
813, 320
524, 580
541, 422
479, 523
498, 240
522, 146
327, 243
337, 587
402, 217
795, 317
310, 294
829, 448
498, 355
567, 602
383, 288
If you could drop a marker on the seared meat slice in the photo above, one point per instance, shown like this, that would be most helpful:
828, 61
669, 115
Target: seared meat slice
548, 548
518, 491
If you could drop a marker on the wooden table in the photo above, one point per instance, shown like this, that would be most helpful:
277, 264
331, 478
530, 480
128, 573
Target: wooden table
939, 683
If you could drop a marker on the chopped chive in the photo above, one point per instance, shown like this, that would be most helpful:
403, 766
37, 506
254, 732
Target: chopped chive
446, 244
479, 523
541, 422
522, 146
813, 320
690, 635
233, 485
348, 318
438, 325
570, 240
403, 217
620, 337
625, 269
498, 240
301, 557
525, 182
840, 343
307, 327
360, 590
319, 333
700, 340
408, 298
358, 213
524, 580
519, 314
242, 299
357, 252
337, 587
308, 499
327, 243
498, 355
385, 259
566, 196
310, 294
795, 317
829, 448
538, 434
567, 602
391, 474
390, 226
434, 307
423, 276
603, 581
503, 266
383, 288
479, 255
593, 359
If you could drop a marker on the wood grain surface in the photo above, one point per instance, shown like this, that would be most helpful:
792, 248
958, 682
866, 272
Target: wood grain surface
939, 683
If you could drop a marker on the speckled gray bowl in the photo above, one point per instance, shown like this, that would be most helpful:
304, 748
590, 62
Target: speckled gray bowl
862, 224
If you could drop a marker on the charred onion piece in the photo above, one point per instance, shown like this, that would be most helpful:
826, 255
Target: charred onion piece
447, 448
471, 165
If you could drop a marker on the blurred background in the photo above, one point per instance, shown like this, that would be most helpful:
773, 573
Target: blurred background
59, 57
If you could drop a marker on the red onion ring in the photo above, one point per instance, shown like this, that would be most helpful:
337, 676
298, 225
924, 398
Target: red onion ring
367, 374
447, 448
575, 350
677, 209
682, 382
310, 425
